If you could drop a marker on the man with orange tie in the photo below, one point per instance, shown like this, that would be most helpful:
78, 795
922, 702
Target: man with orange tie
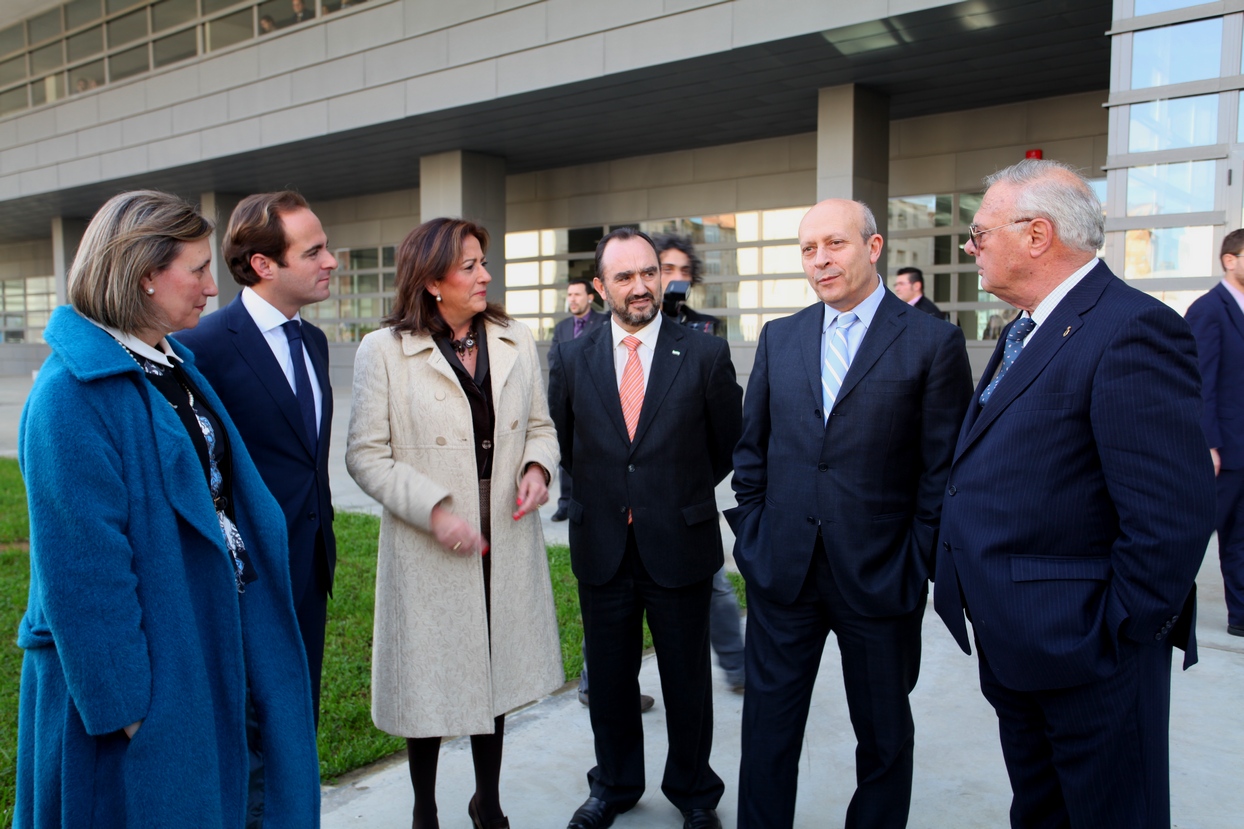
647, 414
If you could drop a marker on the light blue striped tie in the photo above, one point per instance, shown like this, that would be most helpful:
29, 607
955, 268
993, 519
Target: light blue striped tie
836, 360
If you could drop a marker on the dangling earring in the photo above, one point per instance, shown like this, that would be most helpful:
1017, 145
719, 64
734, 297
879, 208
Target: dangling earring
150, 291
438, 297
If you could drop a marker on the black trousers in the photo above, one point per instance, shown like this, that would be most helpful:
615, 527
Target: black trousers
880, 665
1231, 541
613, 616
311, 608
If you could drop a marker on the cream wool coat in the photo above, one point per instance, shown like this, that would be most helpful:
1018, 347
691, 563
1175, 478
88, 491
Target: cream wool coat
411, 446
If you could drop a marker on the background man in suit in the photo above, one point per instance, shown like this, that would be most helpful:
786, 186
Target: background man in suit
848, 425
1080, 501
1217, 321
647, 413
271, 371
909, 287
681, 269
582, 320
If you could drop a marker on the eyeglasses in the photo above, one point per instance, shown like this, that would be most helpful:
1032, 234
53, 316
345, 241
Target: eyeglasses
975, 233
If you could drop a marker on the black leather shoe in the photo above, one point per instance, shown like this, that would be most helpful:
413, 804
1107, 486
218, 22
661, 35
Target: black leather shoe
645, 702
701, 819
560, 515
1235, 630
597, 814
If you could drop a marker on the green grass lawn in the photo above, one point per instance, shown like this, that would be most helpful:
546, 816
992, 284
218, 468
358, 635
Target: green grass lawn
347, 738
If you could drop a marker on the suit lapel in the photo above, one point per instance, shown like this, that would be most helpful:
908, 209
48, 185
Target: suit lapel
255, 351
502, 354
887, 324
599, 357
809, 327
667, 359
1057, 330
1233, 309
180, 469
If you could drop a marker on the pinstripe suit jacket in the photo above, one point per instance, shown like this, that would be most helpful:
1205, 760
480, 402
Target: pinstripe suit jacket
1081, 498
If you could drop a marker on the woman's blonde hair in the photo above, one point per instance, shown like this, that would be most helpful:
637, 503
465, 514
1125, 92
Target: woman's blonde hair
133, 235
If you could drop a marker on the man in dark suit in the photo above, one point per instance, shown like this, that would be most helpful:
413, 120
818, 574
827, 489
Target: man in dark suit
1217, 321
582, 320
647, 413
909, 287
1079, 504
270, 369
849, 421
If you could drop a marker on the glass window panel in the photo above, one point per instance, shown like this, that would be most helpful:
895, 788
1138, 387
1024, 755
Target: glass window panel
747, 227
85, 44
1155, 6
47, 59
748, 261
44, 26
341, 283
176, 47
969, 203
1099, 189
747, 295
51, 88
1177, 54
12, 70
1179, 300
912, 212
210, 6
944, 211
387, 255
80, 12
86, 78
782, 259
1185, 187
13, 100
127, 29
281, 12
583, 239
11, 39
522, 302
941, 286
552, 272
522, 273
389, 282
227, 31
121, 5
523, 245
367, 283
549, 242
991, 322
128, 63
1168, 252
364, 259
782, 224
786, 293
1174, 123
169, 13
552, 300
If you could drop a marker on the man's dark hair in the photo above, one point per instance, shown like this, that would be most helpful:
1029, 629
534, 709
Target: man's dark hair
672, 241
1232, 243
585, 282
256, 227
914, 275
622, 234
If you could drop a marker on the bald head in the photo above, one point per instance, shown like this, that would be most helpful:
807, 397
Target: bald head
839, 247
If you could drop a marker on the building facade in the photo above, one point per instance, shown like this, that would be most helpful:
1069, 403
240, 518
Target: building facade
553, 121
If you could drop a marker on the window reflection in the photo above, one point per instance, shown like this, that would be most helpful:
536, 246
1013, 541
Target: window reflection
1177, 54
1155, 6
1186, 187
1169, 252
1174, 123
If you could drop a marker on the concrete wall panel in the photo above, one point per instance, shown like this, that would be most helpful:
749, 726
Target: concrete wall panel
149, 126
423, 16
169, 87
661, 169
78, 172
233, 137
74, 114
21, 157
368, 106
365, 29
649, 43
288, 52
294, 124
452, 87
173, 151
782, 190
101, 139
498, 34
201, 113
36, 126
260, 98
552, 65
330, 79
229, 70
575, 18
406, 59
55, 150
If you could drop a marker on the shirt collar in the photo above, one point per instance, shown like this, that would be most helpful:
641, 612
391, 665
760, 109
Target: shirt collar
264, 313
162, 355
1046, 307
866, 310
1235, 292
646, 335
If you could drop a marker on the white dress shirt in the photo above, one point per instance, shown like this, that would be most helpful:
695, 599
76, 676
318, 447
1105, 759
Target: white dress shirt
866, 310
1046, 307
163, 355
269, 321
647, 337
1235, 293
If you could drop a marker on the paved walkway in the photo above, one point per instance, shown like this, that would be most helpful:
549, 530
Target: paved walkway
960, 782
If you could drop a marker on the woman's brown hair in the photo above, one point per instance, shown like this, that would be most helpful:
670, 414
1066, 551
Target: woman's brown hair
428, 254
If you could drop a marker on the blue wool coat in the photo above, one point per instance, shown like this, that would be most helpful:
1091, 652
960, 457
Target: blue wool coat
133, 613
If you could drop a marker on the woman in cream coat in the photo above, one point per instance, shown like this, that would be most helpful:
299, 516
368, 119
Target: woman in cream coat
450, 428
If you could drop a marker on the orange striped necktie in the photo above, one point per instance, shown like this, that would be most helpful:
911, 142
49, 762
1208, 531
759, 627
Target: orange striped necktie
632, 389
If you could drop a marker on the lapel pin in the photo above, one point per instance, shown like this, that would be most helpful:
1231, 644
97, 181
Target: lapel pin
1068, 331
677, 353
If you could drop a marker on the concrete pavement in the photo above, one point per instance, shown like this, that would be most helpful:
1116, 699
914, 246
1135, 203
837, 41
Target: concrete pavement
960, 782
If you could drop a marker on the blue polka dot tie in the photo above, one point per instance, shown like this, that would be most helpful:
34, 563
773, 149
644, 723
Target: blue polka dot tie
1014, 344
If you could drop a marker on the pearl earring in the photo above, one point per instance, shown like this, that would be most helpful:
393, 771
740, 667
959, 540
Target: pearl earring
150, 291
438, 297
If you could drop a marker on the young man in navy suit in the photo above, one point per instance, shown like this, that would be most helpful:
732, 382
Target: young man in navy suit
850, 417
647, 413
1078, 508
270, 369
1217, 321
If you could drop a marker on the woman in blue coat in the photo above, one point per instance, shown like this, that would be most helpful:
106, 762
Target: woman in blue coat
164, 681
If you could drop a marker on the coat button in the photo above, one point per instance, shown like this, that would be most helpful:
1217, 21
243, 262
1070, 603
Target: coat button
440, 395
440, 441
811, 519
311, 516
1158, 637
622, 509
817, 414
953, 490
822, 467
487, 444
946, 546
630, 467
514, 425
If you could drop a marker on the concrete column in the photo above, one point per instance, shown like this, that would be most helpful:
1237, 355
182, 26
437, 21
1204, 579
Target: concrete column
853, 150
66, 236
219, 207
470, 186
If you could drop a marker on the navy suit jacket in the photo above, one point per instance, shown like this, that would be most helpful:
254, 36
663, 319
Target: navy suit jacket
1081, 498
564, 331
688, 426
1218, 325
871, 479
235, 358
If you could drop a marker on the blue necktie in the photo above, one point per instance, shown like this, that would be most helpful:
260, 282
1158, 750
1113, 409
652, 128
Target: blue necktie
1014, 344
302, 381
836, 360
